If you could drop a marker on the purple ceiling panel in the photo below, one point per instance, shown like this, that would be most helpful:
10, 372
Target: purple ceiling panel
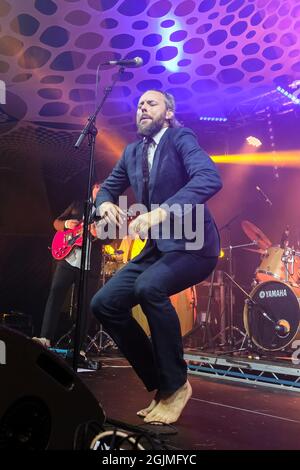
212, 52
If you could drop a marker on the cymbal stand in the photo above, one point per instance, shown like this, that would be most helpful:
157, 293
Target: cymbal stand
230, 337
101, 340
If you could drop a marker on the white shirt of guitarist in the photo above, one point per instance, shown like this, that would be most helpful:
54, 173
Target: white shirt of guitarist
74, 258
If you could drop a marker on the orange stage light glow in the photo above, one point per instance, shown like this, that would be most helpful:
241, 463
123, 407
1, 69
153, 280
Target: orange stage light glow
112, 143
280, 159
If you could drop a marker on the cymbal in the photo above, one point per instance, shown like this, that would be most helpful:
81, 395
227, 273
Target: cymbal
255, 234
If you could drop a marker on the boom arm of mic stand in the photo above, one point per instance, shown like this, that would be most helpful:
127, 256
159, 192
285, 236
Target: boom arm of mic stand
92, 119
90, 130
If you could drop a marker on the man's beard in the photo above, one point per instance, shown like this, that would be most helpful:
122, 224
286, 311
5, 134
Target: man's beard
153, 128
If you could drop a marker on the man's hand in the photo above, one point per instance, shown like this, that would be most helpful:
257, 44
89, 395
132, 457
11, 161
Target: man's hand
111, 213
139, 227
71, 223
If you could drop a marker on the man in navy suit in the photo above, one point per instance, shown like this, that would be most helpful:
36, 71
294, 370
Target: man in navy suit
166, 167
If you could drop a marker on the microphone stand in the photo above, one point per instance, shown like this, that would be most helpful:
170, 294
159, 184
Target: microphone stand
91, 131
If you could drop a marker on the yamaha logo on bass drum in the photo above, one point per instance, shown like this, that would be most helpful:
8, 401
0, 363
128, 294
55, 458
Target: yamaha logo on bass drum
273, 293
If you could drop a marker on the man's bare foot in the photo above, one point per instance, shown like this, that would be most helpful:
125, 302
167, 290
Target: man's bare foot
149, 408
43, 341
169, 409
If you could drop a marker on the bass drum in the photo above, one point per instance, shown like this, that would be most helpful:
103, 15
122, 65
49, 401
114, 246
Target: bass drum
184, 302
272, 319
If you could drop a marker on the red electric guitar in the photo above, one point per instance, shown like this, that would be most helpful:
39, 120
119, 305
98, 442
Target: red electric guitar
64, 241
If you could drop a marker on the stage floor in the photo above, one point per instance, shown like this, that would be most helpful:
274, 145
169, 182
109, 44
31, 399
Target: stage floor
219, 416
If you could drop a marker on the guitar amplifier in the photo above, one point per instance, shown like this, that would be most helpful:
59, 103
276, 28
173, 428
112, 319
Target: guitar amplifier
17, 321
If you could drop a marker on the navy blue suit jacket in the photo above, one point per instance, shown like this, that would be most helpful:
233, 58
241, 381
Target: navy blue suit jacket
182, 173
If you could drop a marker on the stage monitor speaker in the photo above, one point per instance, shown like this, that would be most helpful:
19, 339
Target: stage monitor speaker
43, 403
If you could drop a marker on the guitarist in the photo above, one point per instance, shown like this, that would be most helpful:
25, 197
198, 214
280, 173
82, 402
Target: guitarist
68, 270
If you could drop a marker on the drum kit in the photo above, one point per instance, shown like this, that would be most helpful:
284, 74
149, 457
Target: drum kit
271, 314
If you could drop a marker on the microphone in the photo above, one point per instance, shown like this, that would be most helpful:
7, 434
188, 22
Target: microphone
264, 195
265, 315
136, 62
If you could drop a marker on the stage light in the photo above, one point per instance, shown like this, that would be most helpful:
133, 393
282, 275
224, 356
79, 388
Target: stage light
289, 95
290, 158
254, 141
222, 253
216, 119
166, 32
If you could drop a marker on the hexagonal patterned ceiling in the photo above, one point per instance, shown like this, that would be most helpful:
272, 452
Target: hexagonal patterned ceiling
211, 54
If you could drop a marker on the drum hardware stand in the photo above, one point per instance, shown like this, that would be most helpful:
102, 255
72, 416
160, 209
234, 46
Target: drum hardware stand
222, 332
251, 303
66, 339
230, 336
204, 325
101, 340
194, 302
250, 346
207, 332
289, 258
230, 326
